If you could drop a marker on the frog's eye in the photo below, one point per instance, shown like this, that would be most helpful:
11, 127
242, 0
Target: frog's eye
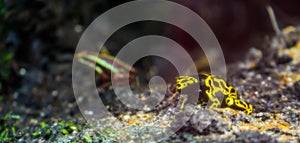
229, 101
179, 86
232, 90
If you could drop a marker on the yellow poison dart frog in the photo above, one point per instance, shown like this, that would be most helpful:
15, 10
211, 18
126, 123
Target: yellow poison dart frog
215, 90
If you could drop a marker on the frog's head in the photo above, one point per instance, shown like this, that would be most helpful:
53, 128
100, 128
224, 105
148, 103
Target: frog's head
239, 105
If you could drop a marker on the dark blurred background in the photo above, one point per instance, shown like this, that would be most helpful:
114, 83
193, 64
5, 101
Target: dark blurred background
38, 37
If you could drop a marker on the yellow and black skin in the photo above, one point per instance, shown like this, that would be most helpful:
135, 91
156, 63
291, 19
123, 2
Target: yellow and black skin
215, 90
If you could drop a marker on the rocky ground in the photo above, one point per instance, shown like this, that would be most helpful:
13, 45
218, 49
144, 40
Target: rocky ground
270, 83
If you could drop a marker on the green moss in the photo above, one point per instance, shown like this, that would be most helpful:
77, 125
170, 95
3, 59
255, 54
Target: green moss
5, 139
43, 125
9, 126
109, 135
36, 134
62, 123
13, 131
11, 116
10, 131
4, 133
64, 131
48, 132
88, 139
